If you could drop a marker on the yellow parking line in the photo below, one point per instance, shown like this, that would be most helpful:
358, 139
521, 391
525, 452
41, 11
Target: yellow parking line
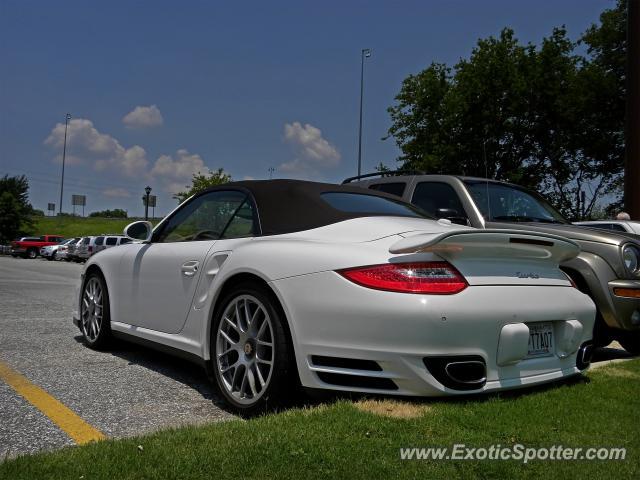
79, 430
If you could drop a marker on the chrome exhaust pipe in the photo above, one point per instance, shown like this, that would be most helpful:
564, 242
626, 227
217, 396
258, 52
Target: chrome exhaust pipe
584, 356
472, 372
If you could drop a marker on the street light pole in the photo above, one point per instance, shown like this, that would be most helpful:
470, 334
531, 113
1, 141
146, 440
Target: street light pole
365, 53
147, 191
64, 155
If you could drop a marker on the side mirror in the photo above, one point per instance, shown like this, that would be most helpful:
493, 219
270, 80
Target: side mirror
140, 231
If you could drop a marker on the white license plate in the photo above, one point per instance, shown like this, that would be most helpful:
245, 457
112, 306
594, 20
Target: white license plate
540, 340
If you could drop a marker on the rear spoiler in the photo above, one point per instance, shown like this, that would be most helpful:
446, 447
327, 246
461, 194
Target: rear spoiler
516, 243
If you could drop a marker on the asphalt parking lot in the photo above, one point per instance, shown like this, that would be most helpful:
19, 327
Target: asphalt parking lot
125, 391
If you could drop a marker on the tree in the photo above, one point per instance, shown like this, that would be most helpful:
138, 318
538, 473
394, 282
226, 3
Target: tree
15, 209
115, 213
541, 116
202, 181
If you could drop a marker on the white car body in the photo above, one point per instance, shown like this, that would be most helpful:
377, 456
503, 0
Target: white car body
514, 284
628, 226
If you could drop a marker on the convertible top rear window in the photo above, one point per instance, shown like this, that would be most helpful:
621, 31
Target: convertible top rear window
370, 204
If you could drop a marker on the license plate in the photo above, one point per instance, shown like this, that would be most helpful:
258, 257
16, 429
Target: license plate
540, 340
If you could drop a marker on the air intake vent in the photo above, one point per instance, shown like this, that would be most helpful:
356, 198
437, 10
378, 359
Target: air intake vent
357, 381
350, 363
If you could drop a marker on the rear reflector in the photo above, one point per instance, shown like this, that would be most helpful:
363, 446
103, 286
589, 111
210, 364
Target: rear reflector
439, 278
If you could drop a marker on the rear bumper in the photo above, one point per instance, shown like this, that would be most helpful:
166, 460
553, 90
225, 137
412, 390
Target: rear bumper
399, 332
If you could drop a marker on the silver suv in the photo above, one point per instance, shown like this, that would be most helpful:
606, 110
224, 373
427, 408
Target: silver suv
92, 245
607, 269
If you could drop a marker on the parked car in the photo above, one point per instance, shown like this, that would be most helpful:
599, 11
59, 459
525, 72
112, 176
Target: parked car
29, 247
92, 245
608, 269
57, 252
72, 250
628, 226
269, 284
107, 241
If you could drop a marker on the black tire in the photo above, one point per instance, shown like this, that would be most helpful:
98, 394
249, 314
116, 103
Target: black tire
32, 253
281, 385
630, 341
50, 257
95, 335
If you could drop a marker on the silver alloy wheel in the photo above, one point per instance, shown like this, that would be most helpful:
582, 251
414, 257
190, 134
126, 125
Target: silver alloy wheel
92, 309
32, 253
245, 349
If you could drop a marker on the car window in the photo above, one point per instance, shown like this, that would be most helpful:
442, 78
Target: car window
396, 188
99, 241
124, 240
111, 240
363, 203
241, 225
507, 203
85, 241
440, 200
204, 218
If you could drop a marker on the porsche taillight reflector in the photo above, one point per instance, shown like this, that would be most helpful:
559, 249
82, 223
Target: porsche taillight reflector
439, 278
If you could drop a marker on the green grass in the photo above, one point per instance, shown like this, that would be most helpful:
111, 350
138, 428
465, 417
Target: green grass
79, 226
340, 440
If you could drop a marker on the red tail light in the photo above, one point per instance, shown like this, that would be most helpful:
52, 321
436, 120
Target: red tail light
439, 278
90, 248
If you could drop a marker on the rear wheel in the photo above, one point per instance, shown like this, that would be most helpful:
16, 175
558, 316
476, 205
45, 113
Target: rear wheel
94, 312
251, 354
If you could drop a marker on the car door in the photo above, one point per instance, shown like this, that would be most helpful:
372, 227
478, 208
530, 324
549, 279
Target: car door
159, 279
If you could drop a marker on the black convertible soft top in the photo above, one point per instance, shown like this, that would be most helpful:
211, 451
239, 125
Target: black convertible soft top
286, 206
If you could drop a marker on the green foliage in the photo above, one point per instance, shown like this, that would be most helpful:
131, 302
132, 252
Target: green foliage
352, 440
115, 213
544, 117
69, 226
202, 181
15, 209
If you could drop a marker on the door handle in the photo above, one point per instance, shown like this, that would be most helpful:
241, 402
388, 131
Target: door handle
189, 269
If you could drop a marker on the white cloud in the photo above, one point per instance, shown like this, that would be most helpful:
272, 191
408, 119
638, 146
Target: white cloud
177, 171
85, 142
143, 117
312, 151
116, 192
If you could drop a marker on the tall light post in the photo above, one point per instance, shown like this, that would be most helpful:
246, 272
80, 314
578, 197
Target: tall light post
64, 155
147, 191
365, 53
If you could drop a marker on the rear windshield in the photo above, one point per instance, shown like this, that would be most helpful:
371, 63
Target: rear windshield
370, 204
112, 240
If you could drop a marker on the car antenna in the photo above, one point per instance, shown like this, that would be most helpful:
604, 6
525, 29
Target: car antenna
486, 177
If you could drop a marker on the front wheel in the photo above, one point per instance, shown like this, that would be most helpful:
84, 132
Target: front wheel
94, 312
251, 353
630, 341
32, 253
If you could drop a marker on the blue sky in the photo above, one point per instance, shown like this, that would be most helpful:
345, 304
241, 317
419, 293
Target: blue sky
160, 89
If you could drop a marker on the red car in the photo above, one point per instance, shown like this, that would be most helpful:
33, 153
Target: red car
29, 247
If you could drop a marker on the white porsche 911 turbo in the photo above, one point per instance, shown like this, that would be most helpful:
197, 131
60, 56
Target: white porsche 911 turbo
274, 284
